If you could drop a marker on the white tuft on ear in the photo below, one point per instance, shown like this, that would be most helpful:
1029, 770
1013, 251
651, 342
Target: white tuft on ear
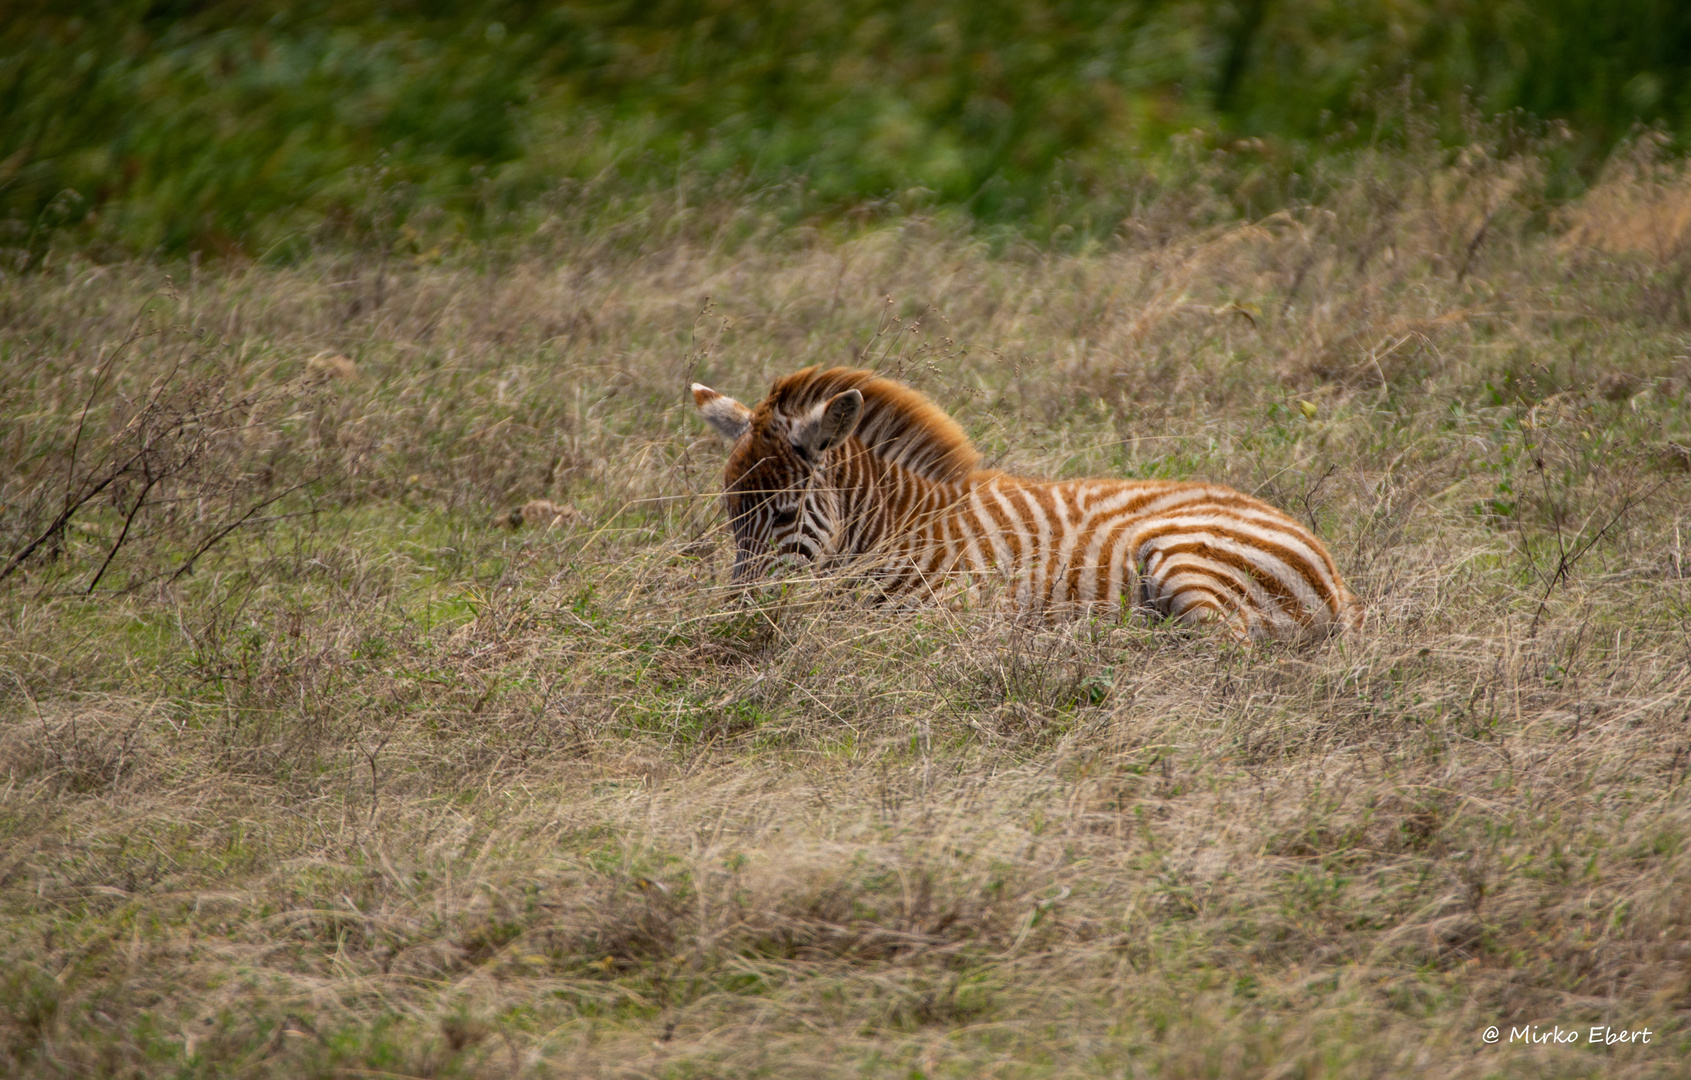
727, 416
830, 423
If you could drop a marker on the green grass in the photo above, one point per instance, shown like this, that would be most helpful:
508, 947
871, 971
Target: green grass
272, 131
386, 786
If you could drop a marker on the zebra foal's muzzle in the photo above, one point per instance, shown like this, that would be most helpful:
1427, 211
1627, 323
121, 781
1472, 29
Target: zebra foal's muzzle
750, 569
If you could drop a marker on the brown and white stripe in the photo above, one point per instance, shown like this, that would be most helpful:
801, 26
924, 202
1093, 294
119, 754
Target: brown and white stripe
843, 468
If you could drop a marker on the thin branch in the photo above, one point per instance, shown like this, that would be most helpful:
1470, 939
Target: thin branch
1474, 244
99, 378
188, 564
1565, 563
124, 535
67, 513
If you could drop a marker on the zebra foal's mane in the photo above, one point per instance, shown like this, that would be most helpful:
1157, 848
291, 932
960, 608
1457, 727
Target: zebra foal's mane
899, 425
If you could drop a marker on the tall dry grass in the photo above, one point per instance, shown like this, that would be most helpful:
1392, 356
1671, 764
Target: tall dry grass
377, 786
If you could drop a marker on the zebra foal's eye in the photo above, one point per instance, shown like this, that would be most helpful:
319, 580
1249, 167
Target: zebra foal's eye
785, 517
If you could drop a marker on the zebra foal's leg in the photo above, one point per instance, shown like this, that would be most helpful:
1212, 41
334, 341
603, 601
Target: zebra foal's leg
1187, 601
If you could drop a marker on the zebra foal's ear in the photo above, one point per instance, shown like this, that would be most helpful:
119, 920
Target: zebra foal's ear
830, 423
727, 416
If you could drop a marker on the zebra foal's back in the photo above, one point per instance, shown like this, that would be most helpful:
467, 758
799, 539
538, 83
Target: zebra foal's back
1189, 551
843, 468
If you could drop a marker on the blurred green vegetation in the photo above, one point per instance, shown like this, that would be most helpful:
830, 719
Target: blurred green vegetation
263, 127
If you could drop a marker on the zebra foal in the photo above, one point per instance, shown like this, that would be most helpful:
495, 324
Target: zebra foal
843, 468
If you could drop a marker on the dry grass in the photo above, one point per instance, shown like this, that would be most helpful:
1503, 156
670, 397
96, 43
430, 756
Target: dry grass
1640, 206
379, 788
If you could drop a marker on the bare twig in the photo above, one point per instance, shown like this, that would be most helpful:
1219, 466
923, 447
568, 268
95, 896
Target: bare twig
128, 520
207, 544
1566, 560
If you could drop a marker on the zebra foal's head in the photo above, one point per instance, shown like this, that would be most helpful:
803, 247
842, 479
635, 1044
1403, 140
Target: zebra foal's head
776, 507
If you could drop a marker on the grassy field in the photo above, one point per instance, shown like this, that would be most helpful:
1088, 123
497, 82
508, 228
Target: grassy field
312, 765
259, 128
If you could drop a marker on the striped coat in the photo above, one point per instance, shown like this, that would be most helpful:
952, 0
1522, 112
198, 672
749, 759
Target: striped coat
842, 468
